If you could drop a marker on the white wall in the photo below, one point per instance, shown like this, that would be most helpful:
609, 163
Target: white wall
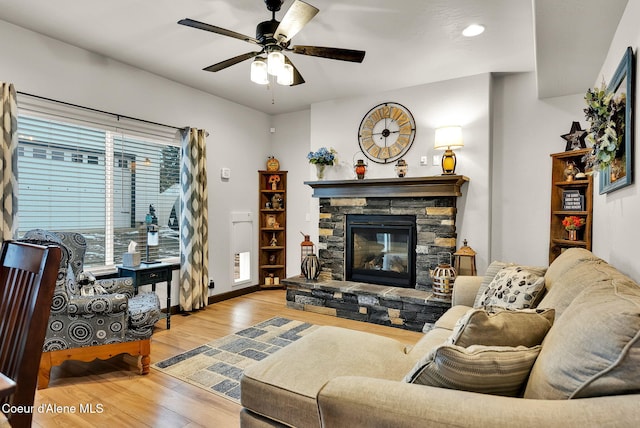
335, 124
615, 215
290, 144
46, 67
526, 130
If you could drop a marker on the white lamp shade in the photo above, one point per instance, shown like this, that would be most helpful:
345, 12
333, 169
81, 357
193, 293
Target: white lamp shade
285, 77
259, 71
448, 136
275, 62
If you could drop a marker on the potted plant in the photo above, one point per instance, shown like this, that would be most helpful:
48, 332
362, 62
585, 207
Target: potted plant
572, 224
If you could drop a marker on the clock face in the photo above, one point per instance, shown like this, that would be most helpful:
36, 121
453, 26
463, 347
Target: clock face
386, 132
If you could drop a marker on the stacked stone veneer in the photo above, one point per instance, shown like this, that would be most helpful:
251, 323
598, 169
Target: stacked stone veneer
399, 307
408, 308
435, 222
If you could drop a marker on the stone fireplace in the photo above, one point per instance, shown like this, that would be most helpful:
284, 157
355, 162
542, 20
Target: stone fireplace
425, 206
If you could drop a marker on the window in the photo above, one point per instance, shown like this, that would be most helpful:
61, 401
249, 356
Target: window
104, 182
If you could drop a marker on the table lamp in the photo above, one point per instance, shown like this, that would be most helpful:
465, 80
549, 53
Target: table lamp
152, 240
446, 138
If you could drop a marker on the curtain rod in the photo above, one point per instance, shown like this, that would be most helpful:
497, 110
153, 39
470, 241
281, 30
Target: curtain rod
118, 116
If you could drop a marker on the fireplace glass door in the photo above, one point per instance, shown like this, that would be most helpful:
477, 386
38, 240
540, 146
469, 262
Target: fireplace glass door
381, 249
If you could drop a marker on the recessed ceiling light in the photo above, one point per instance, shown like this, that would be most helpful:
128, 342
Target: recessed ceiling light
473, 30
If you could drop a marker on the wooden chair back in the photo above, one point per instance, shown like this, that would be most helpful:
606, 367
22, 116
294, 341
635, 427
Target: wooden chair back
27, 279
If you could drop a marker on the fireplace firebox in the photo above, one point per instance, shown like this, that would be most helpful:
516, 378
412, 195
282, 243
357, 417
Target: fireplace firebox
381, 249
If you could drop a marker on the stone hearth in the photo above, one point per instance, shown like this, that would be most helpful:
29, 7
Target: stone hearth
393, 306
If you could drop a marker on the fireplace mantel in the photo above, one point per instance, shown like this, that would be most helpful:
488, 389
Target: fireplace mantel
438, 185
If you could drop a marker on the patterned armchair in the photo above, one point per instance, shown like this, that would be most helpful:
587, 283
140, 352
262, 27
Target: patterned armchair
96, 320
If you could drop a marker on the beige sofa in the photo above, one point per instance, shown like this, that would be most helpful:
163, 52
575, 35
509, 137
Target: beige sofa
587, 373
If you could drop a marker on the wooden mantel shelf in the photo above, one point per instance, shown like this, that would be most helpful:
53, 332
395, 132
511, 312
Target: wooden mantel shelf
439, 185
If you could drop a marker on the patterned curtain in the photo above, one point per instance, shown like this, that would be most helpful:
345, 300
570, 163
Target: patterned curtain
194, 227
9, 161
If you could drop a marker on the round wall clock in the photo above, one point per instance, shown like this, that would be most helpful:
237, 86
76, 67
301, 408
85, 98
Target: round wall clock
387, 132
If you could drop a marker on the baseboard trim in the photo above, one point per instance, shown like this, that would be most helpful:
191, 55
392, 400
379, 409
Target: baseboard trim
175, 310
231, 294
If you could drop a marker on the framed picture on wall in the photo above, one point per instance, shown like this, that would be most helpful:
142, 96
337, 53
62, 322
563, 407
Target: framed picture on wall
619, 173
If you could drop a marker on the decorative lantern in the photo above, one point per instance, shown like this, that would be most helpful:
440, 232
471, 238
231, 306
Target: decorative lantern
465, 260
401, 168
306, 247
360, 169
443, 277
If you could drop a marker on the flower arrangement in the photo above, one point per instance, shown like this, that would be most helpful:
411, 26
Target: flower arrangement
573, 222
323, 156
606, 113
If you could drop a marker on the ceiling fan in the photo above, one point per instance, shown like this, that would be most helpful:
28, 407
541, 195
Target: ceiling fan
275, 37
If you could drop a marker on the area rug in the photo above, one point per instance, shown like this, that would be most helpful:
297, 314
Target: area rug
218, 365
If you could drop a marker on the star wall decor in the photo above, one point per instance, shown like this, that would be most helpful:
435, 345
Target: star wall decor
575, 138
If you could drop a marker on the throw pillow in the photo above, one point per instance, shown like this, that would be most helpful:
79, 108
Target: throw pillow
493, 269
498, 370
593, 348
503, 327
514, 287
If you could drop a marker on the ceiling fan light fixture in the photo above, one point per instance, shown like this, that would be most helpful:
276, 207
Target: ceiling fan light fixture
275, 62
259, 71
285, 77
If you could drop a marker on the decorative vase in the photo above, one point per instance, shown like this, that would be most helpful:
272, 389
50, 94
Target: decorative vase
320, 170
310, 266
573, 234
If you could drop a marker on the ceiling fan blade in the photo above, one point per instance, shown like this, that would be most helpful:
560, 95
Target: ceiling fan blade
298, 15
297, 77
231, 61
212, 28
331, 53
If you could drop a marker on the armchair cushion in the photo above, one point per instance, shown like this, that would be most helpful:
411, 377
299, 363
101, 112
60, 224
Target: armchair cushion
104, 304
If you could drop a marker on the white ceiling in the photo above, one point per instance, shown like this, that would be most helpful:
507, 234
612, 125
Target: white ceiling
408, 42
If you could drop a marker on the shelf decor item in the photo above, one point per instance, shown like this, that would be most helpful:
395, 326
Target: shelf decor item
401, 168
273, 164
572, 224
360, 168
321, 158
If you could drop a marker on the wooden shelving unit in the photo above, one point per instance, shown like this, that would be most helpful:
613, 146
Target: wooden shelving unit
273, 228
561, 188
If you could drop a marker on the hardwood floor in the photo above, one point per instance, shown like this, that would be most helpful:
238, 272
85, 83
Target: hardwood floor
111, 393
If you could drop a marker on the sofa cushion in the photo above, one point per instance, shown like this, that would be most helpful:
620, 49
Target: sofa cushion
498, 370
568, 259
593, 349
526, 327
576, 279
514, 287
284, 386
